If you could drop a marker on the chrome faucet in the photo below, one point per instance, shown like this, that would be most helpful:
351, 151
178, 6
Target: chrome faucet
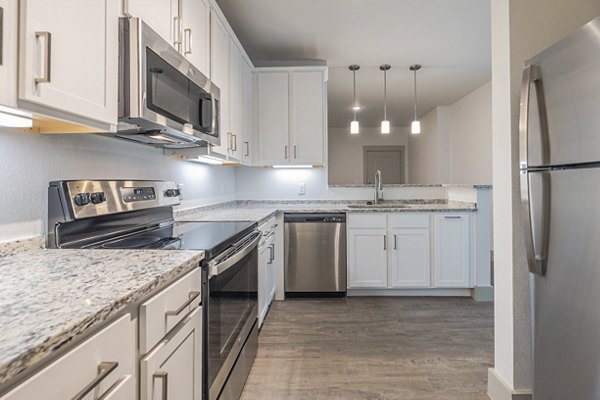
378, 187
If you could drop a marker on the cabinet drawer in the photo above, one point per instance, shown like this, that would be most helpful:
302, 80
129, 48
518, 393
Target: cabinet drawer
374, 220
162, 312
409, 221
110, 355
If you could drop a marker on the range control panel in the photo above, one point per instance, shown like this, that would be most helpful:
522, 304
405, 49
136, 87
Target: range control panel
130, 194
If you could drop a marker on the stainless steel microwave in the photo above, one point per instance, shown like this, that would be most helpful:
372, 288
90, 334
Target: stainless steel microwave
164, 101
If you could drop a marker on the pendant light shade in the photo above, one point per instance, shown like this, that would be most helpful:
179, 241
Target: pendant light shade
385, 124
354, 125
415, 126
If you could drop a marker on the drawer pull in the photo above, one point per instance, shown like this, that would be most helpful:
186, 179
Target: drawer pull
104, 369
45, 78
193, 296
452, 217
165, 378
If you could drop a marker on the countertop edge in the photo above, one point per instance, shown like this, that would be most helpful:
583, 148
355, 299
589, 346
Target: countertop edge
30, 359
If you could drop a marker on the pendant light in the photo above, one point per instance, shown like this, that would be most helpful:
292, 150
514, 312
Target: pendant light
354, 125
385, 124
415, 126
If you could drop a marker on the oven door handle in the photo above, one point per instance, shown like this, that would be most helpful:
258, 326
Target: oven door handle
218, 268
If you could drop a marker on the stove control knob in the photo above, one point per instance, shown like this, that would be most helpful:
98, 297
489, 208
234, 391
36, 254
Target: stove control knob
172, 192
98, 197
81, 199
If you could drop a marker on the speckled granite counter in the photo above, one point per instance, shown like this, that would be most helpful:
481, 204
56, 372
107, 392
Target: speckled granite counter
48, 298
262, 210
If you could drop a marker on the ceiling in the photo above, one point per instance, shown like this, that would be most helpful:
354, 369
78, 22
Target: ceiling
452, 39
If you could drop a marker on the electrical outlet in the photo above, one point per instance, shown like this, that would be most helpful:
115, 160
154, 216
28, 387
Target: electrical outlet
302, 188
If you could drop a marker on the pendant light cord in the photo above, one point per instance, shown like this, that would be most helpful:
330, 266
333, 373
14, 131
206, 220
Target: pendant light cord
415, 98
385, 95
354, 88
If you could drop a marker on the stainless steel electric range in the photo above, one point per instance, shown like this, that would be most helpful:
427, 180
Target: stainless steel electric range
120, 214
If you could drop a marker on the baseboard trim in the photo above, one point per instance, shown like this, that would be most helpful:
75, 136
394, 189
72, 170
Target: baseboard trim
483, 293
410, 292
498, 389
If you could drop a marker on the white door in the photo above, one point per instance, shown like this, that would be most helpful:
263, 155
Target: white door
236, 99
219, 74
195, 23
68, 58
411, 265
173, 370
263, 282
247, 114
452, 251
273, 117
161, 15
308, 117
8, 53
367, 258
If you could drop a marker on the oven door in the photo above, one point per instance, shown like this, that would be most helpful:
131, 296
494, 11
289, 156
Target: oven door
231, 310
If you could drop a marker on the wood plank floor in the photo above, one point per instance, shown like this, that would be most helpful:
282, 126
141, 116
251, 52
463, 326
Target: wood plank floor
372, 349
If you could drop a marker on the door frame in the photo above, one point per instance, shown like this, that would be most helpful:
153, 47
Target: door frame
400, 148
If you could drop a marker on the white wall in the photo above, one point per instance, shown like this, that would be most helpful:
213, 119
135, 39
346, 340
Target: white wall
282, 184
520, 29
345, 159
455, 145
29, 161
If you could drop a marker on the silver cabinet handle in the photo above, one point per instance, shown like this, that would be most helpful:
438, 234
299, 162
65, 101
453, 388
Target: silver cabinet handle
192, 296
45, 78
295, 153
395, 242
385, 242
234, 137
286, 153
532, 74
176, 32
229, 143
104, 369
452, 217
187, 41
1, 33
271, 253
164, 376
247, 152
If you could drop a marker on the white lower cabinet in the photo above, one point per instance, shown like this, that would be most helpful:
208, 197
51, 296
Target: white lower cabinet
267, 260
395, 251
452, 250
173, 369
101, 367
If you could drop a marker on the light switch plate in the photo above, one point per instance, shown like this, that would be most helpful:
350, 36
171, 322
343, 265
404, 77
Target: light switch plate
302, 188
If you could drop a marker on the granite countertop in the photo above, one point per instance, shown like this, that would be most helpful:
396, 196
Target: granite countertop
49, 298
413, 185
262, 210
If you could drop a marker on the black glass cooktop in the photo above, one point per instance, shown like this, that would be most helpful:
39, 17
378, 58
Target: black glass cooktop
212, 237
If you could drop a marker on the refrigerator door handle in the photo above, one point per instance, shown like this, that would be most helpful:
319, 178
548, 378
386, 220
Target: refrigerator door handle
536, 258
532, 74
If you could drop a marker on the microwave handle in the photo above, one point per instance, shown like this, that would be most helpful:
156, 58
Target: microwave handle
214, 116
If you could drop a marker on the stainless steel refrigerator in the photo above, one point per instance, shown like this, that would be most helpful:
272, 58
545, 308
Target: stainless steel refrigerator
560, 192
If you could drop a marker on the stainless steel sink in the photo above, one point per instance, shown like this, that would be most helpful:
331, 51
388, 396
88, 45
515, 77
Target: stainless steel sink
383, 205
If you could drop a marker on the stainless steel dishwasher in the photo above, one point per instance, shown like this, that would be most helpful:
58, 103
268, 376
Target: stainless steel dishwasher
315, 254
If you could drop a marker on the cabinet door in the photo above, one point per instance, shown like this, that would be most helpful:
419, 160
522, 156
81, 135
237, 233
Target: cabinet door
236, 99
273, 117
367, 258
219, 74
173, 370
8, 53
263, 283
68, 58
411, 265
195, 23
247, 114
111, 351
452, 251
160, 15
308, 117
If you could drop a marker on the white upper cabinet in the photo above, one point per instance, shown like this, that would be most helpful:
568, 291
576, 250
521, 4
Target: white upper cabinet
248, 114
161, 15
68, 60
219, 73
452, 250
8, 53
236, 99
291, 115
273, 117
308, 122
195, 25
